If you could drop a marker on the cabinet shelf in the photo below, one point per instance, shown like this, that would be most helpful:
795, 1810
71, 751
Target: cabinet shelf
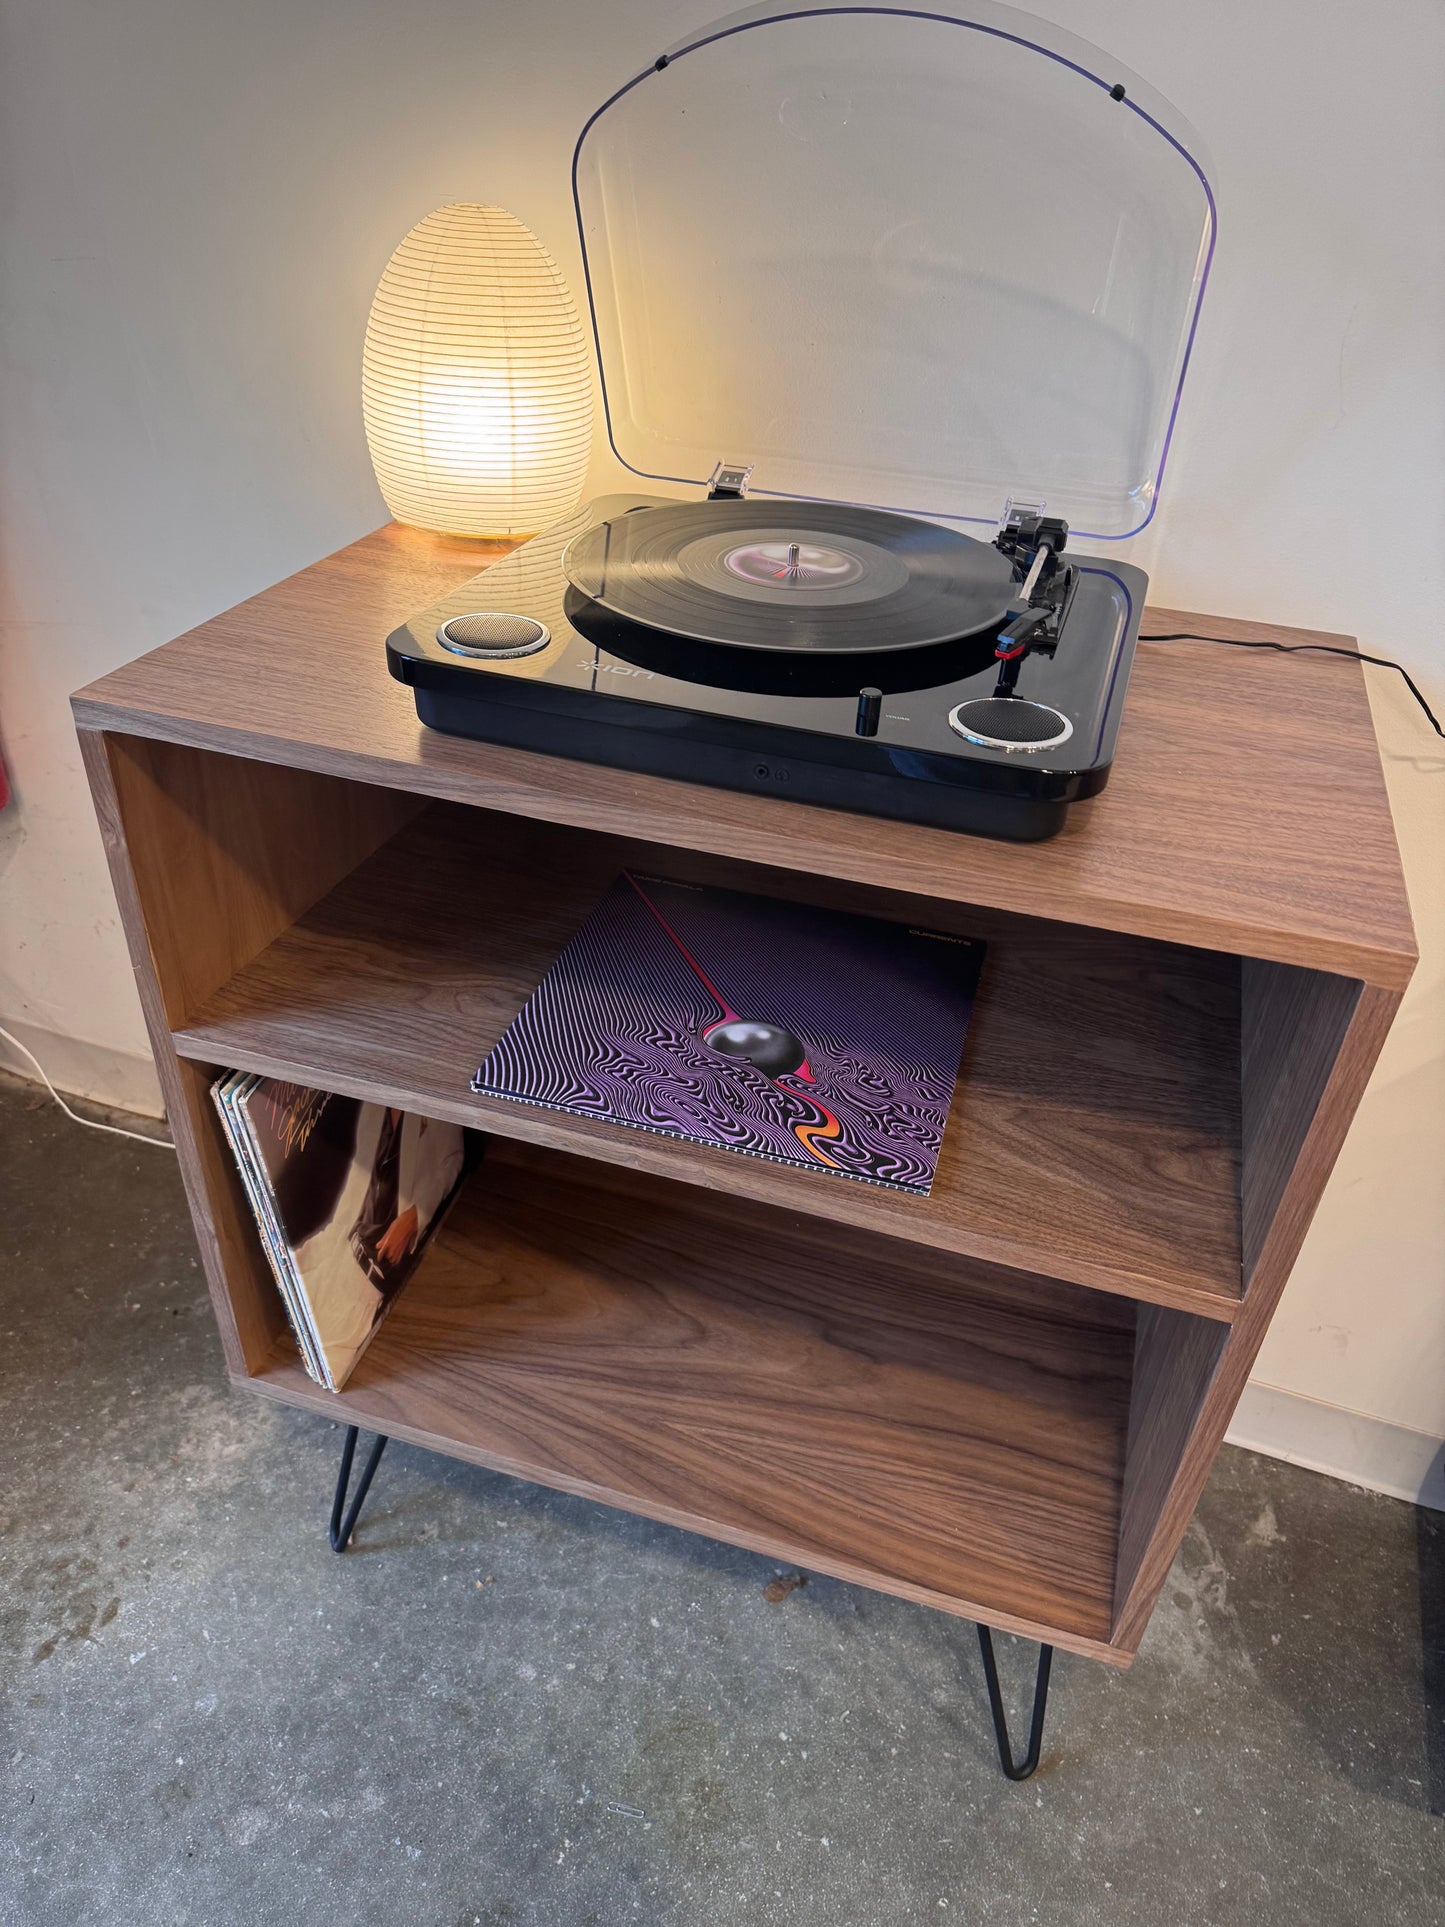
1094, 1136
727, 1367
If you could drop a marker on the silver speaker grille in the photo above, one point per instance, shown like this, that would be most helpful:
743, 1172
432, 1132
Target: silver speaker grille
494, 634
1010, 722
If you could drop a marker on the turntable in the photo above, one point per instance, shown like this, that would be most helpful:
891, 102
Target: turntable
905, 300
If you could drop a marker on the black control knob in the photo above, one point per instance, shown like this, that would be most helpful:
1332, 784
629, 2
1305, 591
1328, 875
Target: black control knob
870, 708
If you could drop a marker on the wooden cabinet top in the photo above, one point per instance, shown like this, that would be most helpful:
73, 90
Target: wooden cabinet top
1246, 811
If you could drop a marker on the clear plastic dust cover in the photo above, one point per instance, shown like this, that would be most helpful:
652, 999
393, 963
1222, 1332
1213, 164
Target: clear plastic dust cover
921, 260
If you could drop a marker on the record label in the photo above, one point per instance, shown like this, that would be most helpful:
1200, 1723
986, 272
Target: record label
760, 566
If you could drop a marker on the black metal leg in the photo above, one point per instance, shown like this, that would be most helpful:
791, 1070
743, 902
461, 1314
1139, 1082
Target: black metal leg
1016, 1769
342, 1529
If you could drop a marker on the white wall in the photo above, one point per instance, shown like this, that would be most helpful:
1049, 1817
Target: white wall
199, 200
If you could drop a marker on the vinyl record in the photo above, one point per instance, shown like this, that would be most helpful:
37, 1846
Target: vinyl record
797, 579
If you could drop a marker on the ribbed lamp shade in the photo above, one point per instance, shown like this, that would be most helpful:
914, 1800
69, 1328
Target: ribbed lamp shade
475, 380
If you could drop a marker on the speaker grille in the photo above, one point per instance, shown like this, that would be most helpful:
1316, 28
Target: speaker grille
1010, 722
492, 633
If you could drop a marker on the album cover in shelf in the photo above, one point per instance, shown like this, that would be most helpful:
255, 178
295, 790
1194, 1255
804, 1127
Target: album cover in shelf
816, 1038
346, 1196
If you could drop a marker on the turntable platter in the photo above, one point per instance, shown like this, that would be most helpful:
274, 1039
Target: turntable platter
799, 578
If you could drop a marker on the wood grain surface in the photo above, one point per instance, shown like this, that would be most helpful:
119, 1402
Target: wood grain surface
1322, 1113
1246, 811
1175, 1357
248, 1309
1293, 1024
951, 1433
226, 853
1094, 1135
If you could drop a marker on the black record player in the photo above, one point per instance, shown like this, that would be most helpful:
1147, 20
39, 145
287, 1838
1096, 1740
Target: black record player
867, 704
923, 329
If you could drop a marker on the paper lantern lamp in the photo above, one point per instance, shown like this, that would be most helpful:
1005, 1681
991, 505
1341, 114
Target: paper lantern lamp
476, 384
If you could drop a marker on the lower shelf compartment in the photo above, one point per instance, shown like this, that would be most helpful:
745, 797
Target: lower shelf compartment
945, 1430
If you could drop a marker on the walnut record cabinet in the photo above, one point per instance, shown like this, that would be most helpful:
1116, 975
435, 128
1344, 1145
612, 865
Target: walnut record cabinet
1002, 1401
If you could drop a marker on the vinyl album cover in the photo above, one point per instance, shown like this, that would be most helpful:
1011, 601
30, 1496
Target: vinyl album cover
811, 1037
346, 1195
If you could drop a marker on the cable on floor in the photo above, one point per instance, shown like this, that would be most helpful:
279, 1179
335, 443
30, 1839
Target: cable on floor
90, 1123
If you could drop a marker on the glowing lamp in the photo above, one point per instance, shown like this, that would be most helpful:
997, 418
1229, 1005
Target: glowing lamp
476, 387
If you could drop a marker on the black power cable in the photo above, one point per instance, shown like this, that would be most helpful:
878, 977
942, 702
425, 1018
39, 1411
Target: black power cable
1317, 648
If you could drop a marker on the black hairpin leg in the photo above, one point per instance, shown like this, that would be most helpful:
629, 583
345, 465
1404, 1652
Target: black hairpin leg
342, 1528
1016, 1769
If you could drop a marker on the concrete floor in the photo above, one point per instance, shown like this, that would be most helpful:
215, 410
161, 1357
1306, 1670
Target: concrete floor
510, 1707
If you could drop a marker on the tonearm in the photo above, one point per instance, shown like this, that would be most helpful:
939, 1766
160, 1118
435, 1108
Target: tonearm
1033, 542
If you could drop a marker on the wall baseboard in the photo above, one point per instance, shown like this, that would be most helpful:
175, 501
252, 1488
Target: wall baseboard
1347, 1445
119, 1078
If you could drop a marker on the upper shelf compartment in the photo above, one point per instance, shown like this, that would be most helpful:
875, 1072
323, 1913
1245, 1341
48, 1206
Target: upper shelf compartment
1094, 1136
1246, 812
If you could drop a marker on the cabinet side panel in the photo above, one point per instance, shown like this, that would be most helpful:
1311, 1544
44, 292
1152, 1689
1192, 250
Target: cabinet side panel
226, 853
1308, 1072
1175, 1358
248, 1308
1292, 1026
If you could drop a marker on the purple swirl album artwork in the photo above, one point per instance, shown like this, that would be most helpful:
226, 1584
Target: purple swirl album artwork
811, 1037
